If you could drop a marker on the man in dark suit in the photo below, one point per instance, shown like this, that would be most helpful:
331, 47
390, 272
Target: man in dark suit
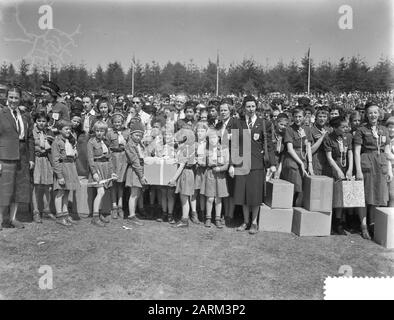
258, 154
16, 156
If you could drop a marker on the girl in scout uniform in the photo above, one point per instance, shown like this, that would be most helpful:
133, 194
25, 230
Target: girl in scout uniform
281, 123
338, 148
104, 109
135, 178
43, 172
201, 165
319, 130
298, 155
101, 171
390, 127
184, 176
371, 152
117, 137
167, 150
66, 178
214, 186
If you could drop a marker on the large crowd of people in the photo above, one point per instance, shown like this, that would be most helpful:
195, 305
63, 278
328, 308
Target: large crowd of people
48, 144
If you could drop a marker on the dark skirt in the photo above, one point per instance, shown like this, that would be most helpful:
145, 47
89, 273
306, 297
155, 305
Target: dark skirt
374, 168
23, 180
185, 182
249, 189
104, 172
43, 172
214, 184
291, 171
7, 183
199, 177
69, 171
132, 179
320, 164
119, 165
230, 185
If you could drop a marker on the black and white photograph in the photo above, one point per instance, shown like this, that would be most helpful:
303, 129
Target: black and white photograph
209, 152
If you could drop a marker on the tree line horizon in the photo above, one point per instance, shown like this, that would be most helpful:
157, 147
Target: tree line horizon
246, 77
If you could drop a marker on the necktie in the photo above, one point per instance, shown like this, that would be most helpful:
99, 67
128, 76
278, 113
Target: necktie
69, 149
17, 121
42, 140
121, 139
105, 148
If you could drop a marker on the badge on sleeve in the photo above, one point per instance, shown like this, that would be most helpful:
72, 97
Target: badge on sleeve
383, 139
256, 136
55, 116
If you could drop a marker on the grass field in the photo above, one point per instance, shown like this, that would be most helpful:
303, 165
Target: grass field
156, 261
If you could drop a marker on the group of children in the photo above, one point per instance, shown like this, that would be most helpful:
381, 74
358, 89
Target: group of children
334, 145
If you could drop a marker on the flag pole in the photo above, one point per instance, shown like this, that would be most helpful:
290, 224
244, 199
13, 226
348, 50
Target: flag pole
217, 74
132, 75
309, 69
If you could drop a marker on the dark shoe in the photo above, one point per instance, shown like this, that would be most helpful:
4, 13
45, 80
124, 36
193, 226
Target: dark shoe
340, 230
37, 217
194, 218
114, 213
365, 233
208, 223
16, 224
242, 227
218, 223
104, 218
63, 221
134, 220
183, 223
120, 213
142, 214
223, 221
253, 229
71, 220
97, 222
171, 219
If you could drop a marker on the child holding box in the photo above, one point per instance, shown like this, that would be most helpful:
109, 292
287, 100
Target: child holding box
371, 152
100, 169
135, 178
338, 148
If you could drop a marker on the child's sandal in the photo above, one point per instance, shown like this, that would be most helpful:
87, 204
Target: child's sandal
120, 213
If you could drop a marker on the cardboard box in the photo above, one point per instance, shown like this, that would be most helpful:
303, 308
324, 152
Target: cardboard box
311, 223
279, 194
348, 194
384, 227
318, 193
159, 171
275, 220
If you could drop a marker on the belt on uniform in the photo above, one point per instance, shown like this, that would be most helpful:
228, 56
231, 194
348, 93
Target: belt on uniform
117, 150
68, 160
189, 166
103, 159
22, 141
371, 151
9, 161
42, 154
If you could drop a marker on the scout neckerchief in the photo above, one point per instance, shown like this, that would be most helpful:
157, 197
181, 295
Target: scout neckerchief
200, 152
278, 140
301, 133
378, 136
121, 139
342, 150
104, 147
70, 151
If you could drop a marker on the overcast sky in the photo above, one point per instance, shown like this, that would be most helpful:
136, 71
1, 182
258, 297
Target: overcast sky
268, 31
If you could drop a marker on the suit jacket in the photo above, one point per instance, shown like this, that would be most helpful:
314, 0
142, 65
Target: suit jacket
9, 138
257, 137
